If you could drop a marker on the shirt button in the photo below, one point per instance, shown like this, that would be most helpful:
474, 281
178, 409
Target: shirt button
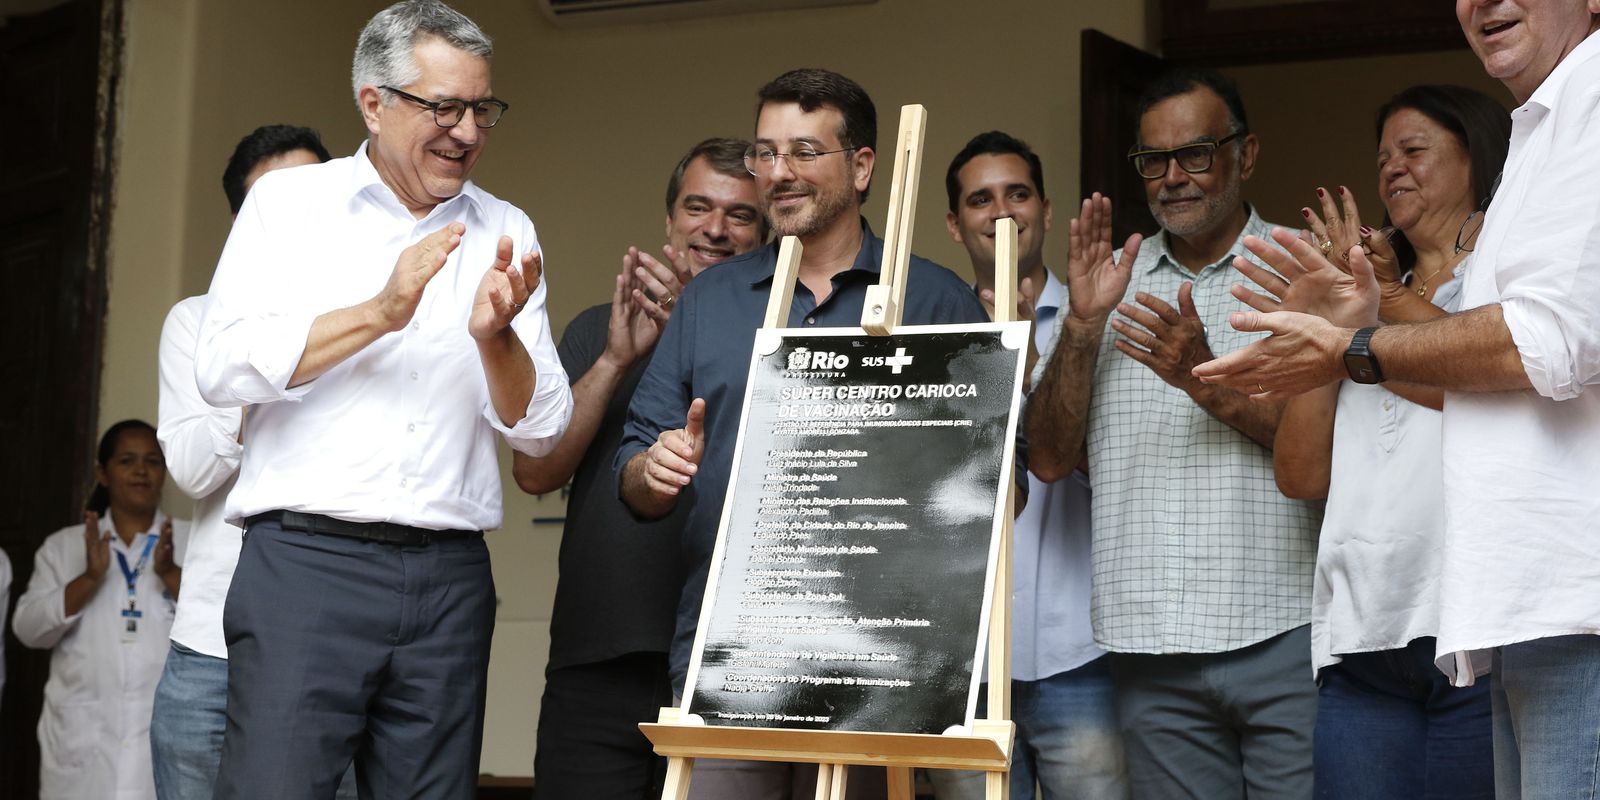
402, 483
811, 320
411, 427
413, 376
416, 326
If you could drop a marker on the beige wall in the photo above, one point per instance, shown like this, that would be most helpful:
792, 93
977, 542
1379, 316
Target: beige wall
149, 231
1315, 121
598, 118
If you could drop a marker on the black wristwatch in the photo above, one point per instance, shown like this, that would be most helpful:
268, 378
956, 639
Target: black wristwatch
1359, 360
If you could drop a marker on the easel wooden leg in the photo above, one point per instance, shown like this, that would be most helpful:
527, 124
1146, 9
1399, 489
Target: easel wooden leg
831, 781
901, 783
679, 771
997, 786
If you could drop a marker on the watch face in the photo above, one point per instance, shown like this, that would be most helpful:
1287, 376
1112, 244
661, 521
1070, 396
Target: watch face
1361, 368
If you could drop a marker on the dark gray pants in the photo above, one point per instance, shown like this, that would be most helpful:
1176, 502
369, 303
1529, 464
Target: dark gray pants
1215, 726
342, 649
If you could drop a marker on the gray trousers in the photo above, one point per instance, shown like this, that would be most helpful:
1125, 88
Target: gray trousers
1215, 726
343, 649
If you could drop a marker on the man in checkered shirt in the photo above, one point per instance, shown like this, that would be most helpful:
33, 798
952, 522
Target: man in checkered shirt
1202, 569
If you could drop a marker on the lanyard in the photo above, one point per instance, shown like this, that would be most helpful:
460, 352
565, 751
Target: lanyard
132, 575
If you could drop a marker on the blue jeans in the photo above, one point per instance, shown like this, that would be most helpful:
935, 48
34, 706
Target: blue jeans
1389, 724
191, 710
1067, 740
1546, 696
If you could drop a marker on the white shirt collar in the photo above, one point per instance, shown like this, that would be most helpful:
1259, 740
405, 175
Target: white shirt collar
1550, 88
1054, 293
365, 177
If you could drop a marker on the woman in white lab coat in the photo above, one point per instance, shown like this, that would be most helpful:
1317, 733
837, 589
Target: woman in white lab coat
101, 597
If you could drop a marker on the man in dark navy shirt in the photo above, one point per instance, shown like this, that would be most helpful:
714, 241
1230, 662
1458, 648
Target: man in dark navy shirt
813, 159
617, 594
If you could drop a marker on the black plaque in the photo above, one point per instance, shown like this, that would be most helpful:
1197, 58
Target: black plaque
850, 586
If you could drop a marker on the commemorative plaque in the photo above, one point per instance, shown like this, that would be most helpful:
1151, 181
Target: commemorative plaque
851, 582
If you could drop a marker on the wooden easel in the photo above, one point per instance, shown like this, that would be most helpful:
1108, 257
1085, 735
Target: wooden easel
987, 746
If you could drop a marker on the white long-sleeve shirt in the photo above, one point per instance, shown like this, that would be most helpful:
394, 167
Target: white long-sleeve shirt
94, 732
1522, 513
403, 431
201, 444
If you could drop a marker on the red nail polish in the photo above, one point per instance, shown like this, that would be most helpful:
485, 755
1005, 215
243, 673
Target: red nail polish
1321, 193
1366, 231
1306, 212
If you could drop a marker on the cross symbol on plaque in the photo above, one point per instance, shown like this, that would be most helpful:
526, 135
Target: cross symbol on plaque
898, 360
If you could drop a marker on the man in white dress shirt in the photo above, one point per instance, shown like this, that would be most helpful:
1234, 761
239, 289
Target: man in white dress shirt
1062, 698
203, 445
385, 320
1520, 573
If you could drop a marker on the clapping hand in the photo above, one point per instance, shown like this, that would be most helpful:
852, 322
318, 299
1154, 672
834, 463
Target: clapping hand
663, 282
1096, 281
417, 265
1171, 342
1307, 282
1339, 229
631, 333
162, 562
1025, 300
504, 290
97, 548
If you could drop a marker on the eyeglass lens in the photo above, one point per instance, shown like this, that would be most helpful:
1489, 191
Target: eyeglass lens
765, 158
485, 114
1467, 236
1195, 158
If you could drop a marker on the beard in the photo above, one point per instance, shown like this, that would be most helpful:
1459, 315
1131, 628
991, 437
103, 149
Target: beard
1213, 208
827, 203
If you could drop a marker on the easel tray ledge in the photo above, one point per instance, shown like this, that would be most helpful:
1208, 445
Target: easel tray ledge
988, 748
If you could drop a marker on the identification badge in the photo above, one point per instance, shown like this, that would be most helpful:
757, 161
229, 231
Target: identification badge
130, 622
132, 614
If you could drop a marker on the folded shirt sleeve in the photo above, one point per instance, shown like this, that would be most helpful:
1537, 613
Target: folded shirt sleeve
200, 442
252, 335
1549, 269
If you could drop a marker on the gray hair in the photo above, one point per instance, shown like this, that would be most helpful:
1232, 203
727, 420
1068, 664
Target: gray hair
384, 53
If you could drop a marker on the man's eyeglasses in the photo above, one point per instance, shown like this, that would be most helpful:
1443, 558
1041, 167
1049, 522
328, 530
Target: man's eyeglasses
1191, 158
1467, 236
761, 160
447, 113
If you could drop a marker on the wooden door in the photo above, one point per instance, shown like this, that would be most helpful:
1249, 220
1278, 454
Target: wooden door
53, 223
1112, 76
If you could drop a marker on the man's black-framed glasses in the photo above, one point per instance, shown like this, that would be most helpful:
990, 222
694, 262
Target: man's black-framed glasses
447, 113
1191, 158
761, 159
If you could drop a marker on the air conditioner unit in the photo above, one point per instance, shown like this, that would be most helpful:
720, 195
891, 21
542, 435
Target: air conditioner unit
583, 13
